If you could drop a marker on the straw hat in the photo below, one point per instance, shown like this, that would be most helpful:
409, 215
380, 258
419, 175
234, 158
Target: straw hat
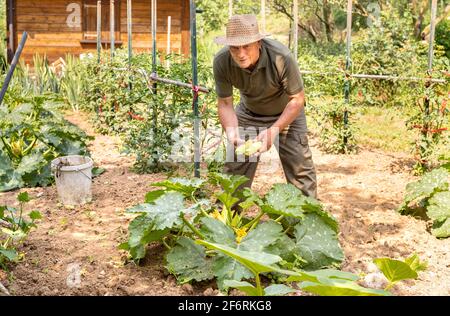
241, 30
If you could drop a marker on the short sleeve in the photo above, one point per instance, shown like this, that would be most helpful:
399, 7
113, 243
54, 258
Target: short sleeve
224, 89
291, 78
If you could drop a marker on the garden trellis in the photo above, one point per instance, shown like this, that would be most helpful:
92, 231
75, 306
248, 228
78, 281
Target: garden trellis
154, 78
346, 72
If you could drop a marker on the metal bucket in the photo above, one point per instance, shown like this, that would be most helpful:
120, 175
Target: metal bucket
73, 175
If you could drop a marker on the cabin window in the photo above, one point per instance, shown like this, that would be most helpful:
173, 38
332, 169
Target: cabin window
90, 20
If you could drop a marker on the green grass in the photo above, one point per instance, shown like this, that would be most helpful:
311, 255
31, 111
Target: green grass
383, 128
377, 128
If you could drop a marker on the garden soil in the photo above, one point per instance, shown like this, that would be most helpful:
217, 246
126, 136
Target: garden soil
74, 251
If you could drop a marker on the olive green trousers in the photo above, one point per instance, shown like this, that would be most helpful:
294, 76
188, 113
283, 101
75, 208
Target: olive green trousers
292, 146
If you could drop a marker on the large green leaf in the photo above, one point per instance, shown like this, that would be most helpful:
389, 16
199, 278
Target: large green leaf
182, 185
250, 198
315, 276
257, 262
217, 232
395, 270
415, 264
284, 199
284, 247
339, 287
313, 206
10, 254
243, 286
11, 182
226, 267
19, 114
142, 233
439, 206
264, 235
227, 199
229, 183
441, 230
151, 196
165, 212
188, 261
430, 182
278, 290
317, 243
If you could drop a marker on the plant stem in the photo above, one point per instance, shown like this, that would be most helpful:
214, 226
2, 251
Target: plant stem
258, 285
20, 215
279, 219
166, 245
195, 230
255, 220
8, 149
180, 231
389, 286
30, 147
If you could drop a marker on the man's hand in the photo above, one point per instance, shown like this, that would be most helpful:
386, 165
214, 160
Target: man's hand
267, 137
233, 136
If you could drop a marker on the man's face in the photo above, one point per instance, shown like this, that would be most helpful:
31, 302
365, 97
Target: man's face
246, 56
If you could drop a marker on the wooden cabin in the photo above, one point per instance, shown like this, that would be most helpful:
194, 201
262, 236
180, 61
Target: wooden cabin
58, 27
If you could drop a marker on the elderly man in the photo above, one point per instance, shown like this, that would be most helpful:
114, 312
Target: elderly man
271, 102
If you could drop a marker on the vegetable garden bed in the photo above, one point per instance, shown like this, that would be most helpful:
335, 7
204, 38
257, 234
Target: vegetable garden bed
361, 191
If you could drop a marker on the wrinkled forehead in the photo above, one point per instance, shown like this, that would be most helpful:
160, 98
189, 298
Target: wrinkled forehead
249, 45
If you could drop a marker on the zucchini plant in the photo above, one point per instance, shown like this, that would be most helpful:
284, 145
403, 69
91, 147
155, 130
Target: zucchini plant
430, 196
208, 231
33, 133
14, 228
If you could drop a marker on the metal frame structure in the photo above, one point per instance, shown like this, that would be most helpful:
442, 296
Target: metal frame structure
153, 78
14, 63
348, 75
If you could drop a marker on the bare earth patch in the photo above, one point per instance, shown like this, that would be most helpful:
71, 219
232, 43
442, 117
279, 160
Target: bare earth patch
362, 191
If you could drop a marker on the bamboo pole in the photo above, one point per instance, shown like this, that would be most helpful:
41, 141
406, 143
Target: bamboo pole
349, 33
347, 84
169, 27
130, 31
13, 66
99, 30
376, 77
176, 83
295, 13
432, 30
154, 16
197, 156
11, 29
263, 15
113, 26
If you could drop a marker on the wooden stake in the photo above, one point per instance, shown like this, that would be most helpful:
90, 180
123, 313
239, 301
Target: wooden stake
295, 29
99, 30
432, 29
113, 26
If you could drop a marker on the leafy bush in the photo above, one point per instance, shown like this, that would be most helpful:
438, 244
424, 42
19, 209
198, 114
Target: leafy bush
443, 35
146, 114
335, 136
430, 120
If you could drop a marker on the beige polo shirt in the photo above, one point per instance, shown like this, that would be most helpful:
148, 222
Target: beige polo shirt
266, 89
